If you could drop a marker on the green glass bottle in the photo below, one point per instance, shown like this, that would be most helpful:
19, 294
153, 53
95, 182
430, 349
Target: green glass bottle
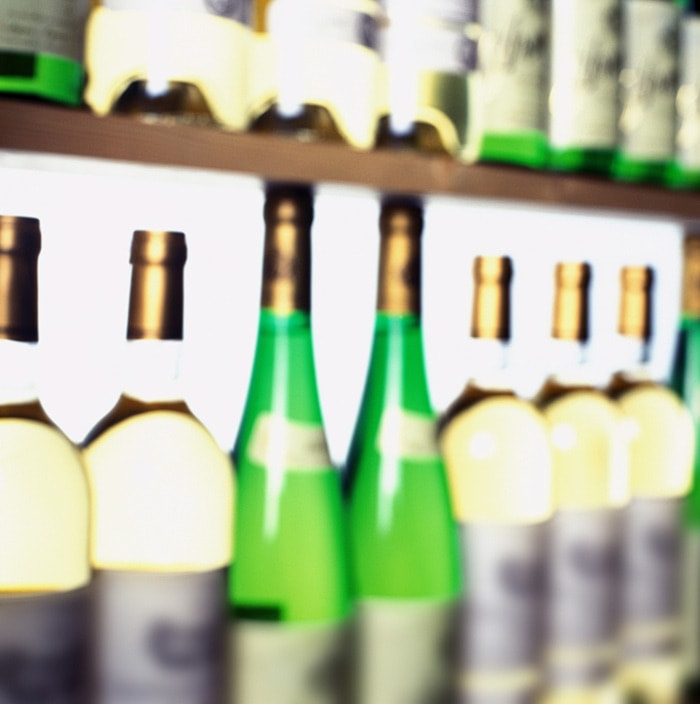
648, 85
41, 48
685, 380
290, 591
405, 562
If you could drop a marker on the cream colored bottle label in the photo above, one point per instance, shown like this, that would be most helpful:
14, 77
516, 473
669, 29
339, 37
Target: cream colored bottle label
408, 435
276, 662
652, 578
649, 78
513, 60
280, 443
584, 596
584, 66
688, 137
159, 637
501, 644
406, 650
43, 643
54, 27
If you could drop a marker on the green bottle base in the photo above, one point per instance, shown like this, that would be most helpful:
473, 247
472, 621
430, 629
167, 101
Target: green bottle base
597, 161
637, 171
677, 177
522, 148
42, 76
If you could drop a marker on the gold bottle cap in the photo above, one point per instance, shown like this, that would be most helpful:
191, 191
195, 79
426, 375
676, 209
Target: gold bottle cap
20, 243
400, 227
491, 311
570, 319
691, 274
156, 297
635, 302
288, 213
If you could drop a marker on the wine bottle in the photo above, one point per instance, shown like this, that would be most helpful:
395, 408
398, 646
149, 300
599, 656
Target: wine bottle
584, 76
428, 53
291, 593
162, 492
685, 380
590, 490
403, 538
44, 505
661, 446
648, 85
301, 50
41, 49
513, 62
499, 466
170, 60
685, 171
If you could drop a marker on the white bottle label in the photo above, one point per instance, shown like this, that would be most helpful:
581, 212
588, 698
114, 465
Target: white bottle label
688, 137
407, 435
159, 637
583, 601
501, 644
648, 80
54, 27
691, 602
239, 10
280, 443
513, 60
584, 66
406, 650
43, 644
275, 662
651, 577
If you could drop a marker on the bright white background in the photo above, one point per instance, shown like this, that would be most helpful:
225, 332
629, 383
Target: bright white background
88, 211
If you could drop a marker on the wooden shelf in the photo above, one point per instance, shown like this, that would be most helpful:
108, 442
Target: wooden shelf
48, 129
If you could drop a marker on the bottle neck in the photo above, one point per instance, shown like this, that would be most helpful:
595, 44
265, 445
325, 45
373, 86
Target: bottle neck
152, 370
488, 358
19, 386
568, 362
631, 355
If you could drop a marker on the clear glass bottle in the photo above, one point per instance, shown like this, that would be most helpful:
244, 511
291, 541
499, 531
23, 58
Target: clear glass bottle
41, 48
661, 447
291, 590
163, 494
44, 504
685, 171
513, 62
499, 465
591, 488
316, 70
404, 552
685, 380
428, 53
170, 60
648, 85
584, 77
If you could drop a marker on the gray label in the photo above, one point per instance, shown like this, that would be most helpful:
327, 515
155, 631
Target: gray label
160, 637
502, 637
583, 597
42, 648
651, 576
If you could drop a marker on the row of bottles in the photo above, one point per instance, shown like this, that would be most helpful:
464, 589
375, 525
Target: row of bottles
518, 549
610, 87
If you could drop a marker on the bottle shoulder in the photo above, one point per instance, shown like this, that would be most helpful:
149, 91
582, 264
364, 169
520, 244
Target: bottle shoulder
471, 396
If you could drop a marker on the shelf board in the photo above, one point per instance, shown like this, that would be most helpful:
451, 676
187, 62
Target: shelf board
48, 129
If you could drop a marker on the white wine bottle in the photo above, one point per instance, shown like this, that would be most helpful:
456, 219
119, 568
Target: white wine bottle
403, 538
499, 465
291, 592
184, 60
590, 490
44, 505
315, 72
661, 445
163, 496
